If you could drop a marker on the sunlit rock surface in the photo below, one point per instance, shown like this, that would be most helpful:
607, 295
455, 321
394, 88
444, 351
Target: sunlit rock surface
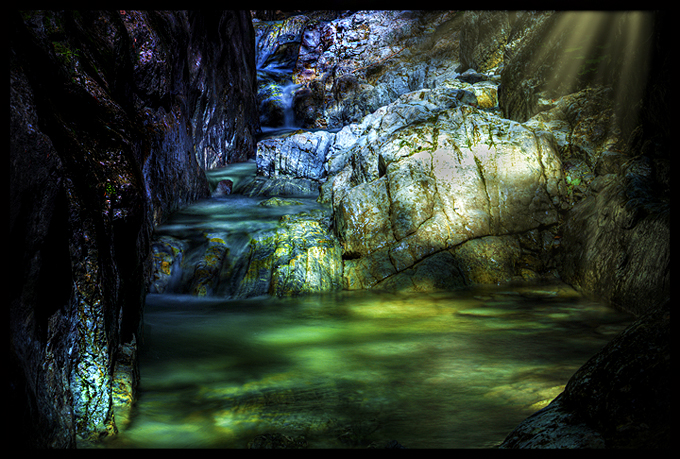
422, 178
300, 256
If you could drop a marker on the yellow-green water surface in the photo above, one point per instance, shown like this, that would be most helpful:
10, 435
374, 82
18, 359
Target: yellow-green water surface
442, 370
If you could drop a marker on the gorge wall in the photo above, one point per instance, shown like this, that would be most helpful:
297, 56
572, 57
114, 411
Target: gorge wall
114, 115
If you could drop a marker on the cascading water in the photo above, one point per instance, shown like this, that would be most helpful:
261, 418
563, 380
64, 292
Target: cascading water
276, 101
276, 54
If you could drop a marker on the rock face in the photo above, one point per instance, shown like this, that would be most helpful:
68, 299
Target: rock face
113, 116
346, 65
299, 256
616, 241
619, 399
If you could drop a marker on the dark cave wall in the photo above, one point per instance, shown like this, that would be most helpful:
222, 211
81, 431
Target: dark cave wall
113, 117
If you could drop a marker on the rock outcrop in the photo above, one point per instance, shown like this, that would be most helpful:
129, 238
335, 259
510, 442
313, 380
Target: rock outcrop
298, 256
422, 175
113, 116
620, 398
348, 64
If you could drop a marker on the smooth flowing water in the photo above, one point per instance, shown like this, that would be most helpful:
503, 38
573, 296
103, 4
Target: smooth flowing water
350, 369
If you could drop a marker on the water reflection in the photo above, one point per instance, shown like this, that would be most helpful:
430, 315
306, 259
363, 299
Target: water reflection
446, 370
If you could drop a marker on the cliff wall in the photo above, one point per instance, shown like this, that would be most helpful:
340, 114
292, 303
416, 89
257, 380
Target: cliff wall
114, 115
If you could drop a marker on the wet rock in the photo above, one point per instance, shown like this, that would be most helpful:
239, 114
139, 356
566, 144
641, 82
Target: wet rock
585, 129
167, 253
277, 43
487, 260
490, 260
301, 255
223, 187
296, 155
363, 220
282, 186
125, 382
436, 272
277, 202
278, 441
224, 120
619, 399
553, 428
471, 76
206, 272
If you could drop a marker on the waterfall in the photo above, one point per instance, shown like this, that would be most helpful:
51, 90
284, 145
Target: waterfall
287, 93
277, 52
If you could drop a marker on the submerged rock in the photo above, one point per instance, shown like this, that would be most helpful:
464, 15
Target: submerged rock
278, 441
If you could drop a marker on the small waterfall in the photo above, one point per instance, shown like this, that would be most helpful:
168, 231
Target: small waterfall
277, 47
287, 93
276, 92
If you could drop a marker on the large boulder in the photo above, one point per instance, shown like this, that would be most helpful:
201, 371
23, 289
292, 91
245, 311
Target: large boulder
621, 397
422, 178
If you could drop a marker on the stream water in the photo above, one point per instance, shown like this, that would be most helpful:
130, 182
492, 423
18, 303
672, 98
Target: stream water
350, 369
